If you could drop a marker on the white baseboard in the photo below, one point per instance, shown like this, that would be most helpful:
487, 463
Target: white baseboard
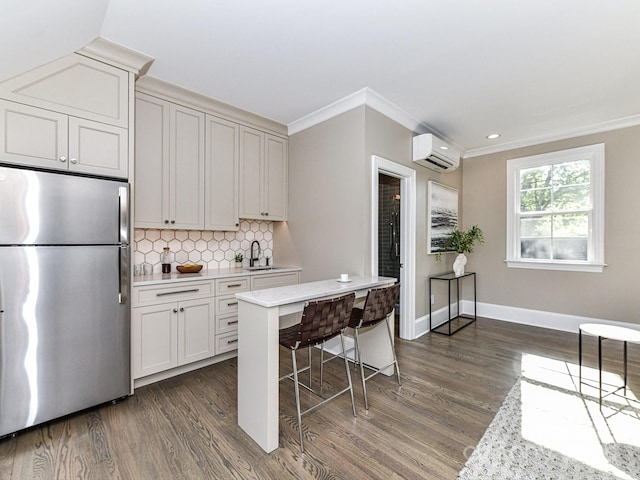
524, 316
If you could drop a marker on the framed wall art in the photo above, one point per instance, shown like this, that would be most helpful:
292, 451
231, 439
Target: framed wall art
442, 214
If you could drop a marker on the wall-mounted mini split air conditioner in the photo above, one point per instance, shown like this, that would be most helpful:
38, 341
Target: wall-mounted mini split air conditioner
431, 152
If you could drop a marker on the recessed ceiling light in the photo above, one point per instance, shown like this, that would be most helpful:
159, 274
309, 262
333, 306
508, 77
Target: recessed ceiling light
493, 135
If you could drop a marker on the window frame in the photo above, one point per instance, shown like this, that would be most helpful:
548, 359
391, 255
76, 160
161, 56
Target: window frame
595, 242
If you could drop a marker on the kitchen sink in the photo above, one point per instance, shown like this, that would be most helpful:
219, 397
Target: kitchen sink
258, 268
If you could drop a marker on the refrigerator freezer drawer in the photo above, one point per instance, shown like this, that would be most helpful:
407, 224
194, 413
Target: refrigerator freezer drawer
42, 208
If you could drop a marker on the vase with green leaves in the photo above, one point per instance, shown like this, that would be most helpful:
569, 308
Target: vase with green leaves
461, 241
239, 257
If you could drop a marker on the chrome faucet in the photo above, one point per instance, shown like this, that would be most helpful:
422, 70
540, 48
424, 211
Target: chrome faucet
254, 257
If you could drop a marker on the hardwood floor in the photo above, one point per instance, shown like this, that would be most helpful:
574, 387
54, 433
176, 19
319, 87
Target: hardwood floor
185, 427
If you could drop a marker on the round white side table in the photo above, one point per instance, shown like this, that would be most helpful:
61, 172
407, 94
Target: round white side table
606, 332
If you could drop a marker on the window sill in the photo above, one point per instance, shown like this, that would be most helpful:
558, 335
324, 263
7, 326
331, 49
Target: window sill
568, 267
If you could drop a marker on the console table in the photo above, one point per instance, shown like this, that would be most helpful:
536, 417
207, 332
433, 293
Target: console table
468, 319
259, 319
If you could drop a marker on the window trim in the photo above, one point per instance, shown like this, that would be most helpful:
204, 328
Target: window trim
595, 249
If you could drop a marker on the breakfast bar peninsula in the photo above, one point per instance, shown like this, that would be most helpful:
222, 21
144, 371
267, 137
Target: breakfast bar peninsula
259, 320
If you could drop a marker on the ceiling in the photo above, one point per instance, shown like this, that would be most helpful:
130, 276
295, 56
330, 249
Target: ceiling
531, 70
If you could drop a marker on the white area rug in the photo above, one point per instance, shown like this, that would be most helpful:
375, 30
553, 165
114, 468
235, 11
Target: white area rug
545, 429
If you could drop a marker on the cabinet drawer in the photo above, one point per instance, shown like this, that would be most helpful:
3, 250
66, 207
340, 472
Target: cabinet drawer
232, 285
271, 280
226, 343
226, 323
226, 304
155, 294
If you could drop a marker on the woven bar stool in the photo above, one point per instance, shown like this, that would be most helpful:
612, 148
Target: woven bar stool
378, 306
321, 320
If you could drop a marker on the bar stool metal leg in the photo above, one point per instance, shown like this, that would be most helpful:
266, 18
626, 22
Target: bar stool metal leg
297, 390
346, 366
359, 360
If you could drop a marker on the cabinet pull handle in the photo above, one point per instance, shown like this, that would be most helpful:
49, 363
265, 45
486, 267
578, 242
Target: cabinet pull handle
234, 285
232, 322
175, 310
182, 309
63, 159
74, 161
232, 341
162, 294
231, 304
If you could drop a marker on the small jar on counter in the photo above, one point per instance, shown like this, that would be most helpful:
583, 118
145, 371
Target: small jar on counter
165, 260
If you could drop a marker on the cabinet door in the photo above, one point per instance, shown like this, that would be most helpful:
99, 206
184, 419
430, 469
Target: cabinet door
154, 339
221, 168
251, 164
151, 162
196, 325
98, 148
276, 175
33, 136
186, 178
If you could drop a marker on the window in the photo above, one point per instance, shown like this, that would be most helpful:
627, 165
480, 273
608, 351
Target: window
555, 210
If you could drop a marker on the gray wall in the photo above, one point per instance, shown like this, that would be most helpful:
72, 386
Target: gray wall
328, 231
611, 295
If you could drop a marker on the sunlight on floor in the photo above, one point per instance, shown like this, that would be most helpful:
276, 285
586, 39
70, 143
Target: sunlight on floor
557, 417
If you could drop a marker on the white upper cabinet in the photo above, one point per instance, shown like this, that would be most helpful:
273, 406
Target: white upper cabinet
221, 168
46, 139
186, 164
263, 175
71, 114
75, 85
169, 168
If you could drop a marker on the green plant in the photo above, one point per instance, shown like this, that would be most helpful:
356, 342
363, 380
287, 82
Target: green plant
462, 241
239, 257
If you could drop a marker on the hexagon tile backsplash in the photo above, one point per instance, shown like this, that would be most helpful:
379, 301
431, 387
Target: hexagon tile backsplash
211, 249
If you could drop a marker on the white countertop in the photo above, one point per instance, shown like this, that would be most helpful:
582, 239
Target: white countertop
273, 297
175, 276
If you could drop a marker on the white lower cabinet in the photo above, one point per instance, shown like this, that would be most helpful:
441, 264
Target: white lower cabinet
172, 334
175, 324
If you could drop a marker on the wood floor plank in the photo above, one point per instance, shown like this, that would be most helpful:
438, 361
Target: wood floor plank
186, 427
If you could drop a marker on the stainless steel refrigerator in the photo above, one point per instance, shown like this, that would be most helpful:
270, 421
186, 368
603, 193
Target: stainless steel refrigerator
64, 295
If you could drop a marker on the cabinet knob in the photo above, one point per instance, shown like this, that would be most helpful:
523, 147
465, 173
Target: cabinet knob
182, 309
63, 159
175, 310
172, 222
166, 221
74, 160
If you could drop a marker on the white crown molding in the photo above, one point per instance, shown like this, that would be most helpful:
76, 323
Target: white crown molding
159, 88
117, 56
631, 121
364, 96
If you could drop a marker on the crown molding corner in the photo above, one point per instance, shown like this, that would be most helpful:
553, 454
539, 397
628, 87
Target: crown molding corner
117, 55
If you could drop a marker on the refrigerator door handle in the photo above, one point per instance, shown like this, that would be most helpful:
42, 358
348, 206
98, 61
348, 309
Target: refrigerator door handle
123, 195
123, 269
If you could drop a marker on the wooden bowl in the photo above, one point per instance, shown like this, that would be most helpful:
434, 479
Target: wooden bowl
189, 269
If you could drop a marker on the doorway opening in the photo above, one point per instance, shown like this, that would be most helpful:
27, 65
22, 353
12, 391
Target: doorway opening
405, 236
389, 230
